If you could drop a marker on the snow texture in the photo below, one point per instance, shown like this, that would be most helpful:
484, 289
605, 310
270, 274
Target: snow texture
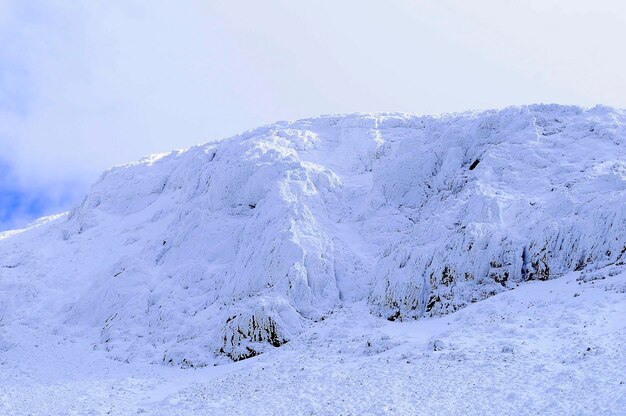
549, 348
233, 248
331, 252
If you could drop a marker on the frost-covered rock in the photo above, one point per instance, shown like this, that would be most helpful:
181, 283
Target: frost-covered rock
231, 248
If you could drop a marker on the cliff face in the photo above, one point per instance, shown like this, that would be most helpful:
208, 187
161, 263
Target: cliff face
231, 248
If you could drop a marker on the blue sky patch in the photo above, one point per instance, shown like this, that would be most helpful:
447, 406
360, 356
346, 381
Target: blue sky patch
21, 204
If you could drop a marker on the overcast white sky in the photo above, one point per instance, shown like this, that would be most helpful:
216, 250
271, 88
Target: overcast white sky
88, 84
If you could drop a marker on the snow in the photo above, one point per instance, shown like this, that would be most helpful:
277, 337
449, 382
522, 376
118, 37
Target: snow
332, 252
555, 347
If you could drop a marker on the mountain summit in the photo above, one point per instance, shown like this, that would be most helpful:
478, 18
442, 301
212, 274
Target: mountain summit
231, 248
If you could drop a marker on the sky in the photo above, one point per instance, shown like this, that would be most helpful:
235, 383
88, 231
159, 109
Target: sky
85, 85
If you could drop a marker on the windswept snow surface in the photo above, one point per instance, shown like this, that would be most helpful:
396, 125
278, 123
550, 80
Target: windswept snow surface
545, 348
304, 241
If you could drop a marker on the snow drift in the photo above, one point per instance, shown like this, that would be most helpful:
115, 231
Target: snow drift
233, 247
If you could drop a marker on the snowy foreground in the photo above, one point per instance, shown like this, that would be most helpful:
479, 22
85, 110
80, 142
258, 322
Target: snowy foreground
545, 348
359, 264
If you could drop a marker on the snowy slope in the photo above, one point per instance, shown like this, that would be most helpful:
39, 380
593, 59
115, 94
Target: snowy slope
548, 348
230, 249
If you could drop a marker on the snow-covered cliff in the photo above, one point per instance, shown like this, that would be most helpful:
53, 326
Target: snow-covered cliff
234, 247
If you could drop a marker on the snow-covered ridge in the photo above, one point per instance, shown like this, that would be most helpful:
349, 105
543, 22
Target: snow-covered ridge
236, 246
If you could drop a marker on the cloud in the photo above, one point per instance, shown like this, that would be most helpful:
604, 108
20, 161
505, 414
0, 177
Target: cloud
85, 85
21, 202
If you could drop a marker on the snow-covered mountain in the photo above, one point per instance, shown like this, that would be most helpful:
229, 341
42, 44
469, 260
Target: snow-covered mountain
232, 248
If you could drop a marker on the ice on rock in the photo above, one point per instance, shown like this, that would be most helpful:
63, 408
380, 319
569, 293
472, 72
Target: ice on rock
232, 248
